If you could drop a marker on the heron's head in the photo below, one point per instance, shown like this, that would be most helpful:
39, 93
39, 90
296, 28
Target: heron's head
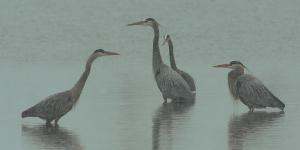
147, 22
101, 52
232, 65
167, 38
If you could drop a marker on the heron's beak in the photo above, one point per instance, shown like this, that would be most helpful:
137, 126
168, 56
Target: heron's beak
111, 53
136, 23
165, 41
222, 66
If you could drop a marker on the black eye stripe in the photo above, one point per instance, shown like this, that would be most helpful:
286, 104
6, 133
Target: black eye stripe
149, 19
166, 36
99, 50
235, 62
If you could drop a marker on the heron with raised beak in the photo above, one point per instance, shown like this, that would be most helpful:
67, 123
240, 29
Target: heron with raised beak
169, 82
188, 78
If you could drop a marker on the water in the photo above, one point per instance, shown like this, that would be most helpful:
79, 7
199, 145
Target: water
44, 45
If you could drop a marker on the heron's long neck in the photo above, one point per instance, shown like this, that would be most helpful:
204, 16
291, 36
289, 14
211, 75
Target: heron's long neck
76, 90
171, 53
240, 71
232, 77
236, 73
156, 57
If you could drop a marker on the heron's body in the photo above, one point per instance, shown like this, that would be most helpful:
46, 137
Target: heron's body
57, 105
253, 93
169, 82
52, 107
250, 90
188, 78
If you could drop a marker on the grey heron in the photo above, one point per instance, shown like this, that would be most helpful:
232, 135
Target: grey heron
250, 90
169, 82
188, 78
57, 105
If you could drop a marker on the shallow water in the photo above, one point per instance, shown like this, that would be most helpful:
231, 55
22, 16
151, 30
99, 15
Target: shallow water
44, 45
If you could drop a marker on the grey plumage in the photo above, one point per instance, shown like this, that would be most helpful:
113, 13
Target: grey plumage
57, 105
52, 107
188, 78
172, 85
250, 90
254, 94
169, 82
232, 77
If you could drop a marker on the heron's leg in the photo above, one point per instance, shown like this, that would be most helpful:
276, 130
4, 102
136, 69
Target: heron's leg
165, 99
56, 121
250, 109
48, 123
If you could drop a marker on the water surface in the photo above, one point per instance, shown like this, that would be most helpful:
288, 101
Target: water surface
44, 45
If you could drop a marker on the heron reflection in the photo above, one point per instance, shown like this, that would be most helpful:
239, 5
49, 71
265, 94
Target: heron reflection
51, 137
167, 120
252, 123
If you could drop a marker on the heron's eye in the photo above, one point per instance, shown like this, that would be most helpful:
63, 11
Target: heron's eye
149, 20
234, 62
99, 50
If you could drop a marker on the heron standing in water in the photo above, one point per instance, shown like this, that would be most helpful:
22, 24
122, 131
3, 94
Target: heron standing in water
57, 105
250, 90
189, 79
169, 82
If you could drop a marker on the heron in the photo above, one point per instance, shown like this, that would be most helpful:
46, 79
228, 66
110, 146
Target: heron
249, 89
169, 82
57, 105
188, 78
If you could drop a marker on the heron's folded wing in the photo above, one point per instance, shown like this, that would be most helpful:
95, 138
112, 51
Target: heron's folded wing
54, 104
251, 90
189, 80
169, 81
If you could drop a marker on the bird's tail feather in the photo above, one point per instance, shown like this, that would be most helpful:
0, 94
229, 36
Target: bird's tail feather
29, 113
278, 103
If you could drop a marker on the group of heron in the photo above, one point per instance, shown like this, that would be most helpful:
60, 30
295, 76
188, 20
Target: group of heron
172, 82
